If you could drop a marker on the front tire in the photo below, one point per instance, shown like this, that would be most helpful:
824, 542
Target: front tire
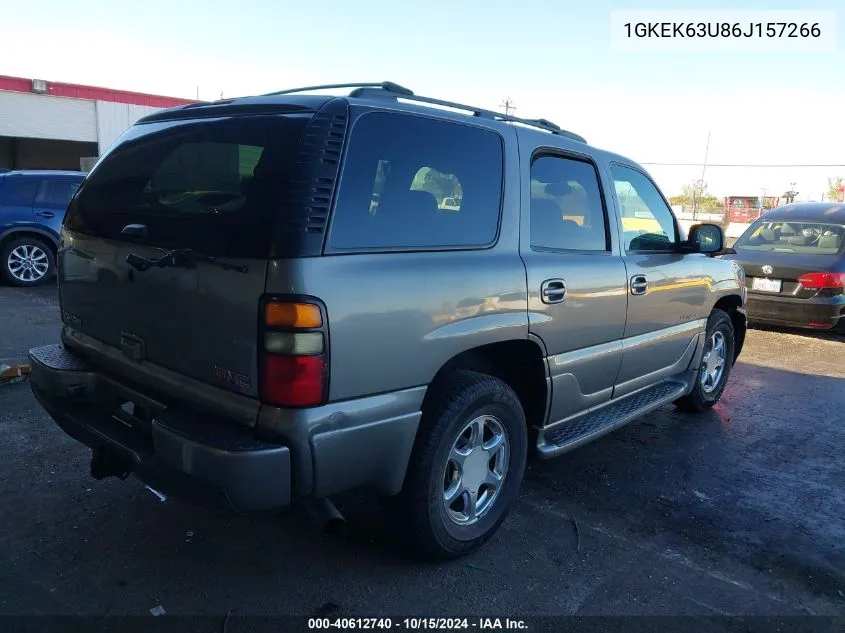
466, 467
27, 261
716, 364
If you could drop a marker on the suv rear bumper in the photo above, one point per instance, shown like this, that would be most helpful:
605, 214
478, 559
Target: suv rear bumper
178, 452
184, 452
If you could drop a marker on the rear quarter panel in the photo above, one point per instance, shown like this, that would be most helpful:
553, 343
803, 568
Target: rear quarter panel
394, 320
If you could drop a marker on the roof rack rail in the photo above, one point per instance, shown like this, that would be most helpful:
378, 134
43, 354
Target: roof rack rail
384, 90
391, 90
387, 86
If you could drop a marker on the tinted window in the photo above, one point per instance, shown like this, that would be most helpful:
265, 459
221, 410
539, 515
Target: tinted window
566, 205
17, 191
56, 194
214, 186
415, 182
794, 236
647, 222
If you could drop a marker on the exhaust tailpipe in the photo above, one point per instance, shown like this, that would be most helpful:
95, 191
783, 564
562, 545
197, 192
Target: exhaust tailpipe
326, 514
105, 463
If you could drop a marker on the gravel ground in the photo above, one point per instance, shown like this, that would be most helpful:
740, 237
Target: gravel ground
735, 512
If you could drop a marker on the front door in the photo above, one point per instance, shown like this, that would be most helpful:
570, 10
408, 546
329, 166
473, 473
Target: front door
666, 288
576, 281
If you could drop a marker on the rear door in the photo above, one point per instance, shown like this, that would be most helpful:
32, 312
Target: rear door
666, 289
576, 280
52, 200
165, 251
17, 195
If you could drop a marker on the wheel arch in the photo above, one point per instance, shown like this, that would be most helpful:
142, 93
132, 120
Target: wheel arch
38, 233
520, 363
732, 305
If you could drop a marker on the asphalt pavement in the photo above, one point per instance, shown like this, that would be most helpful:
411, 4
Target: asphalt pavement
739, 511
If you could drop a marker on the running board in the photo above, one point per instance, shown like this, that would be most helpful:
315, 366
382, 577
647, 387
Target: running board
561, 437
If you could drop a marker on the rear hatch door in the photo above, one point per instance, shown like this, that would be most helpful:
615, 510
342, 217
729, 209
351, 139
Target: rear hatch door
165, 246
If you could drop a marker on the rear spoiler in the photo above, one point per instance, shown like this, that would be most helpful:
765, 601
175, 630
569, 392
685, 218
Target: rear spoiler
227, 108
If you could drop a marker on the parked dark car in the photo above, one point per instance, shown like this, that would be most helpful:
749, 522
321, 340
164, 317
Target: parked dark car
32, 207
795, 267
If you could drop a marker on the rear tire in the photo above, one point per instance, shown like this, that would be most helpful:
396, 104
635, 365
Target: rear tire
472, 431
719, 344
27, 261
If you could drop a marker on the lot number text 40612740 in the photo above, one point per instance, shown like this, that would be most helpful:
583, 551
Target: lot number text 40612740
418, 624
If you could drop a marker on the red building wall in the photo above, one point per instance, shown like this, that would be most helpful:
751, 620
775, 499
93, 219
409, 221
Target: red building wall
92, 93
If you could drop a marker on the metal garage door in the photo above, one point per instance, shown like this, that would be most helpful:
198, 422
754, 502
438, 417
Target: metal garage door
43, 116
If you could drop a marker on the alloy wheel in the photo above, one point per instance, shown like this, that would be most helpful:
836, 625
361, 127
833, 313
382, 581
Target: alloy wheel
28, 263
475, 470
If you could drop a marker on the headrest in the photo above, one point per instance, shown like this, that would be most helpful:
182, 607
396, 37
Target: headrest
419, 202
829, 241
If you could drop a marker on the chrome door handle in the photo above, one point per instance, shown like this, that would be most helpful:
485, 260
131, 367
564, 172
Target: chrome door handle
639, 285
553, 291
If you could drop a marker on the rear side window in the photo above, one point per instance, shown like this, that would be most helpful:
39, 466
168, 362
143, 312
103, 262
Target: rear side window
56, 194
16, 191
216, 186
413, 182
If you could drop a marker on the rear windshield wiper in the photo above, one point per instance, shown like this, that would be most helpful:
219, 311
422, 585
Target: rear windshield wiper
179, 258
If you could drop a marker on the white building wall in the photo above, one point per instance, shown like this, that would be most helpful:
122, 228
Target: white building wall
113, 119
47, 117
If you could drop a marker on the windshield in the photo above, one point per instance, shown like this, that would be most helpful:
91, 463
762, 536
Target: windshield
800, 237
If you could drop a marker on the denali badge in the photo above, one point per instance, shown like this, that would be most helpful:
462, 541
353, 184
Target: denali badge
767, 269
241, 381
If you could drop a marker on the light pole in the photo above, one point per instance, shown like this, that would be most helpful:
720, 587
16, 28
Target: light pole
701, 182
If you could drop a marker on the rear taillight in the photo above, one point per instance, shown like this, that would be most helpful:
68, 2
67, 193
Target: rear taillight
817, 281
294, 356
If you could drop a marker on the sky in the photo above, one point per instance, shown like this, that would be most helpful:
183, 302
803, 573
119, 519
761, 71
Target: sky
552, 59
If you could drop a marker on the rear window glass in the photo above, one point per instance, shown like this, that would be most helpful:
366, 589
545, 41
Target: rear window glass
413, 182
56, 194
800, 237
214, 186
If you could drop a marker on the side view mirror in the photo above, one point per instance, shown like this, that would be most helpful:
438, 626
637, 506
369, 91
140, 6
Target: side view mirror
705, 238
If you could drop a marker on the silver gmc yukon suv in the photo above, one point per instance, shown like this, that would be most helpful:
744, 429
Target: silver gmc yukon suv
274, 299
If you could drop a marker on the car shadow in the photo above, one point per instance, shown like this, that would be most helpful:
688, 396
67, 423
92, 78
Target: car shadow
755, 480
822, 335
